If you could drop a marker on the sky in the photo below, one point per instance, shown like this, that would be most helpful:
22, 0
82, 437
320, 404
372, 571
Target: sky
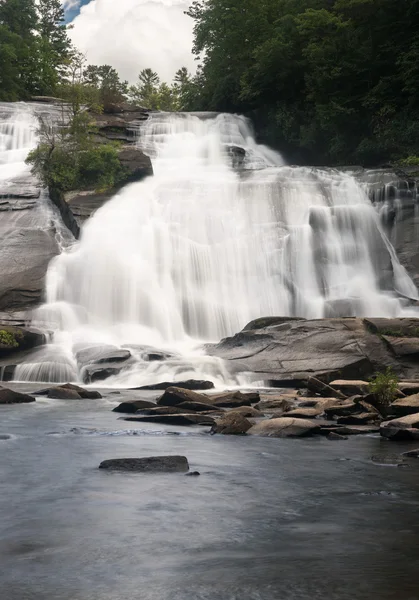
132, 35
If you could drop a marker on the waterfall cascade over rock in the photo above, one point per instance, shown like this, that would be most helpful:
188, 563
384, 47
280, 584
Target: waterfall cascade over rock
222, 234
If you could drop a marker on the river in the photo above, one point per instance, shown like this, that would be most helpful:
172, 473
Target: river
267, 519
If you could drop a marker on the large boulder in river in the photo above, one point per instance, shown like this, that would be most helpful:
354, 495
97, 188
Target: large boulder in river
231, 423
284, 427
150, 464
174, 395
287, 352
11, 397
61, 393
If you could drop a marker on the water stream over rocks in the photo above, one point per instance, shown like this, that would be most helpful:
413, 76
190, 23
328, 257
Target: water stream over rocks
222, 234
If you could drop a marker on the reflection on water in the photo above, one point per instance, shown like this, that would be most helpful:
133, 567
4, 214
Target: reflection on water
267, 519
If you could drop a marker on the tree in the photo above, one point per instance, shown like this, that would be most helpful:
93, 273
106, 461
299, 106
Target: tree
53, 44
18, 24
145, 92
112, 91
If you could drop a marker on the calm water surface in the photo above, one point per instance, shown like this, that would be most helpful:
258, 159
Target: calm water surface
267, 520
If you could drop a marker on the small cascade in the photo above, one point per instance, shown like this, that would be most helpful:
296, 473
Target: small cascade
222, 234
17, 138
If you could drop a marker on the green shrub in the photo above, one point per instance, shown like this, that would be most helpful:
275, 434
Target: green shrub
410, 161
69, 166
384, 387
99, 167
8, 339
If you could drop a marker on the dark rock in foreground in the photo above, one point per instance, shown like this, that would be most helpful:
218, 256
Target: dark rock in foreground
151, 464
191, 384
11, 397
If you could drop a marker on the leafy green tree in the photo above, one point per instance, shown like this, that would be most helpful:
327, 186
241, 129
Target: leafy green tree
112, 90
53, 44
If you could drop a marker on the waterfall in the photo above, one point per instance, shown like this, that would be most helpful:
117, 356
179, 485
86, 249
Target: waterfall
222, 234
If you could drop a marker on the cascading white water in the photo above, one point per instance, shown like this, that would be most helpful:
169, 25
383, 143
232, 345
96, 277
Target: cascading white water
17, 138
202, 248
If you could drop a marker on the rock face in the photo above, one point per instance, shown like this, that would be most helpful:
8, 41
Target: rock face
288, 352
397, 191
284, 427
151, 464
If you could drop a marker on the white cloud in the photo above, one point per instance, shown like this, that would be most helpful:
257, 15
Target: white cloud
132, 35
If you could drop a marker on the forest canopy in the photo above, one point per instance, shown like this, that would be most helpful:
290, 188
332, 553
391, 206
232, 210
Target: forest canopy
325, 81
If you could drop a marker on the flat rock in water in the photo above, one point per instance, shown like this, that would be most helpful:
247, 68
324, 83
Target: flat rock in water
131, 406
404, 428
406, 406
342, 410
325, 390
408, 388
304, 413
284, 427
234, 399
232, 423
194, 407
247, 411
164, 410
332, 436
361, 419
11, 397
277, 403
183, 419
151, 464
350, 388
191, 384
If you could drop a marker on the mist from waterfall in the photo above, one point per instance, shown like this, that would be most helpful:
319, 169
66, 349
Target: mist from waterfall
222, 234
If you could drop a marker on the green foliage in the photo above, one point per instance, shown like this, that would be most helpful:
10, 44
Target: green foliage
8, 339
69, 167
410, 161
384, 388
33, 47
328, 81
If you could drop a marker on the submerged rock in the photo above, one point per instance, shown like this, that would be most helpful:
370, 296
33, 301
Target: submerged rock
151, 464
284, 427
11, 397
332, 436
232, 423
